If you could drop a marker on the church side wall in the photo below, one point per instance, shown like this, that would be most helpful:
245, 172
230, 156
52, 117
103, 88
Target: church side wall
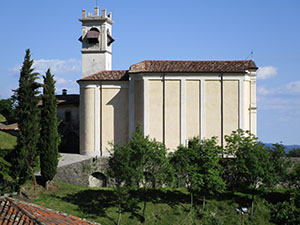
192, 108
172, 114
231, 106
138, 103
155, 98
212, 109
87, 120
114, 117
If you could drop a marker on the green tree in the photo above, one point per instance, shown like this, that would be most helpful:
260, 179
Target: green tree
198, 165
5, 179
280, 165
251, 165
7, 109
49, 137
295, 152
140, 162
294, 177
25, 154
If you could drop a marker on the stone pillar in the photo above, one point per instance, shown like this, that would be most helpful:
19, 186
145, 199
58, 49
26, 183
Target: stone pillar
87, 120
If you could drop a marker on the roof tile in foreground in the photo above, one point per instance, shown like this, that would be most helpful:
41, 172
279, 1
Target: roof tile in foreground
108, 75
159, 66
17, 212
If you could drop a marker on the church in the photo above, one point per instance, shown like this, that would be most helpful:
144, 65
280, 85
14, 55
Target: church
173, 101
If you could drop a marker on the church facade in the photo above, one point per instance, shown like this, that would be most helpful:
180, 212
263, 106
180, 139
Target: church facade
173, 101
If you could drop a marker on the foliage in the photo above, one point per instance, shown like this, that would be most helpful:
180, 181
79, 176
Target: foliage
25, 153
7, 109
294, 176
295, 152
251, 165
141, 161
280, 164
5, 179
198, 165
49, 137
287, 212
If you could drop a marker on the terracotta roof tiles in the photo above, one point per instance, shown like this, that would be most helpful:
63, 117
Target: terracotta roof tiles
17, 212
108, 75
173, 66
193, 66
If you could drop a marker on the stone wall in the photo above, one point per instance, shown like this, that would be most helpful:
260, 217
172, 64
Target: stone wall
91, 172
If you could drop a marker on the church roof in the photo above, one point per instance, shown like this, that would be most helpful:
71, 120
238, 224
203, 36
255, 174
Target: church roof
168, 66
108, 75
17, 212
173, 66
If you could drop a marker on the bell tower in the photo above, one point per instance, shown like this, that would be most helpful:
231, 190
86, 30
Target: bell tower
96, 41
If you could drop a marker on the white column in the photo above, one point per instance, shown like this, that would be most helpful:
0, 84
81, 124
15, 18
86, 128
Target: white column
242, 105
253, 109
97, 121
145, 92
182, 111
131, 107
202, 110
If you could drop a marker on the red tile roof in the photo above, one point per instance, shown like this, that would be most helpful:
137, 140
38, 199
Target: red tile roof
17, 212
109, 75
170, 66
193, 66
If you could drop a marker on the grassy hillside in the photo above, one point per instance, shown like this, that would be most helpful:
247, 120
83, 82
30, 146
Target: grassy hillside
165, 207
7, 141
2, 118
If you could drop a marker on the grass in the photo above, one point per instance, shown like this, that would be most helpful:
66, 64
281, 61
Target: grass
7, 141
165, 206
2, 118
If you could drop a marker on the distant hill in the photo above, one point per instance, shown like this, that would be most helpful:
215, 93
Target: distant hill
287, 147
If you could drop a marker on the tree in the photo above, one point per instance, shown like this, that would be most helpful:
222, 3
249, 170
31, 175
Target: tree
25, 153
295, 152
140, 162
7, 109
49, 137
198, 165
5, 179
294, 176
252, 166
280, 165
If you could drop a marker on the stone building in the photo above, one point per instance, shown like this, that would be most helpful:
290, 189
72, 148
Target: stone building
172, 100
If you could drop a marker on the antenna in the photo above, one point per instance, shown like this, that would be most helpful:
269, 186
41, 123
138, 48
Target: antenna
250, 55
97, 3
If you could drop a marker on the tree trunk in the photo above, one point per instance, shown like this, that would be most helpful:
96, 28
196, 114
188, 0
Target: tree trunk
145, 204
34, 182
119, 214
192, 200
203, 204
252, 205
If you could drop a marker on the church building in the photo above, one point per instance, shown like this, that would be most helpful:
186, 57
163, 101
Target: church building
173, 101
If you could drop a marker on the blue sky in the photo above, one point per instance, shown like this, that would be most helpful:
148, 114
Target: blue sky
167, 29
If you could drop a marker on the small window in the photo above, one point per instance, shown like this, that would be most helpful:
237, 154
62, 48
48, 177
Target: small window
68, 116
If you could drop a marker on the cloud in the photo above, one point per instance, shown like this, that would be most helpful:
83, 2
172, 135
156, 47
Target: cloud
293, 87
266, 72
57, 66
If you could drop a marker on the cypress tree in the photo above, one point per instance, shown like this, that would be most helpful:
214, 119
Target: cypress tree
49, 138
24, 158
